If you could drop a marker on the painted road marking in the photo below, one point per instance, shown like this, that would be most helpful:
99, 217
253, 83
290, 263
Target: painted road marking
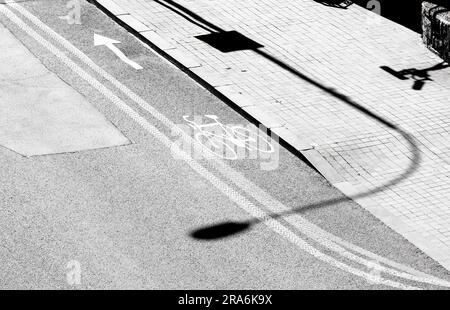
74, 15
45, 27
227, 141
109, 43
222, 167
151, 109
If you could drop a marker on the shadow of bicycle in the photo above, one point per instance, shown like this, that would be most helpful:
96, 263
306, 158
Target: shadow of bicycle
420, 76
340, 4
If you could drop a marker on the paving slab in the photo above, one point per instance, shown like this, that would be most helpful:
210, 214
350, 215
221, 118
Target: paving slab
41, 114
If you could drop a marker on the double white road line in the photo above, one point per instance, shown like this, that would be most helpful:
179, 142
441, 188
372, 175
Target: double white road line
230, 182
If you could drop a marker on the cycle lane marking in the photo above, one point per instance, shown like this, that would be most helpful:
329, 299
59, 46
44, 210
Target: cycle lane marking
229, 192
364, 262
235, 139
422, 278
100, 40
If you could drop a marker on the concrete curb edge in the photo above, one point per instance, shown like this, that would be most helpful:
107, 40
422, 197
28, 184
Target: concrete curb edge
244, 105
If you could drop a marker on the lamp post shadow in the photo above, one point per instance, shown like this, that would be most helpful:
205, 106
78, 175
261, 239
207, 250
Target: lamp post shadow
232, 41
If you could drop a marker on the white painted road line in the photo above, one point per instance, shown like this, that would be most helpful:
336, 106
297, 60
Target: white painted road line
234, 196
109, 43
97, 69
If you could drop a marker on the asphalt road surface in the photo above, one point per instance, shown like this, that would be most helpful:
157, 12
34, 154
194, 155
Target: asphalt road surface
125, 216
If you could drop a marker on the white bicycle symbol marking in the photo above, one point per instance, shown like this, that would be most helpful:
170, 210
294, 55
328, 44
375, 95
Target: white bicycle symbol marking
220, 140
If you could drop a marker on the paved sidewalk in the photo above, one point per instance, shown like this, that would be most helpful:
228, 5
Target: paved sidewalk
317, 71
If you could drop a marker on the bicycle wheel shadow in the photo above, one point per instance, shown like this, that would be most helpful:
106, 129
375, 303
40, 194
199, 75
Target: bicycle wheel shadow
231, 41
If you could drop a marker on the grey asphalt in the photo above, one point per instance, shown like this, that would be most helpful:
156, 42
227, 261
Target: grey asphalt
126, 213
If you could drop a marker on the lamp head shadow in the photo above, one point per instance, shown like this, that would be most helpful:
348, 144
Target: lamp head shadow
221, 230
233, 41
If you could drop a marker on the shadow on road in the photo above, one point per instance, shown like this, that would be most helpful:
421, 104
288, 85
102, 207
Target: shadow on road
230, 41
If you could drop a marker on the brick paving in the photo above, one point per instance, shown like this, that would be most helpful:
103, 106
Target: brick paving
342, 49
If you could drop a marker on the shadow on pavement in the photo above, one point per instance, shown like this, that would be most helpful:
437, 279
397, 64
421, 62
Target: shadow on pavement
229, 41
340, 4
420, 76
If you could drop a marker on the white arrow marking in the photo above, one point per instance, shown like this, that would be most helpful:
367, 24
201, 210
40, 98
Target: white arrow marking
109, 43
